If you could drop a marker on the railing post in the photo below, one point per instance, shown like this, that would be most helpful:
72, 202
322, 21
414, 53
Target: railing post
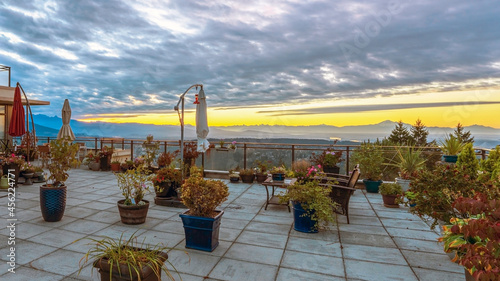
165, 146
244, 156
95, 146
293, 154
132, 150
347, 160
123, 143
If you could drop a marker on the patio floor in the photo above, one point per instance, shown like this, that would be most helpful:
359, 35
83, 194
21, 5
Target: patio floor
379, 244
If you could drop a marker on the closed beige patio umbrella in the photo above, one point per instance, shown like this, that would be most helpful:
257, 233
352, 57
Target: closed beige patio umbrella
65, 130
202, 122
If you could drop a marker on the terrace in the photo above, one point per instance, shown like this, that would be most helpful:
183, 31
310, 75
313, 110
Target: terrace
379, 244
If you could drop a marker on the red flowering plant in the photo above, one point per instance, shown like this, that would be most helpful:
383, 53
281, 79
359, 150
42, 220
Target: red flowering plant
14, 159
475, 236
436, 190
304, 171
166, 175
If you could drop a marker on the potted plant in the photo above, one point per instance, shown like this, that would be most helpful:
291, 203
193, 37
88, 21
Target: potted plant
278, 173
312, 205
261, 170
328, 160
166, 158
233, 176
105, 157
53, 194
122, 260
38, 174
247, 175
189, 155
202, 221
474, 236
370, 159
92, 161
13, 163
451, 147
151, 149
134, 184
115, 166
166, 182
28, 172
467, 160
232, 146
408, 161
390, 191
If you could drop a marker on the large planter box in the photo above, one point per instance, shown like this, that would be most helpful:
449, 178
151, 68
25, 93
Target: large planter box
201, 233
145, 274
302, 221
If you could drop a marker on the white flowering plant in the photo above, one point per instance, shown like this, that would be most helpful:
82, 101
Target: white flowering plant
134, 184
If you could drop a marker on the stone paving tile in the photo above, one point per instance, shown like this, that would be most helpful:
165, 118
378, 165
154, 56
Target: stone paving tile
40, 221
431, 246
357, 228
362, 220
315, 246
228, 269
257, 254
26, 230
410, 233
25, 273
228, 234
192, 262
85, 226
362, 212
27, 251
375, 254
313, 262
235, 224
27, 215
370, 271
288, 220
416, 223
57, 237
366, 239
26, 203
263, 239
429, 274
170, 226
78, 212
288, 274
105, 217
236, 214
395, 215
439, 262
269, 227
117, 230
54, 264
152, 237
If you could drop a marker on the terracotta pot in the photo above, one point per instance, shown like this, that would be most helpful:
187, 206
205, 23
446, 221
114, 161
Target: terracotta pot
247, 178
115, 167
261, 177
133, 214
390, 201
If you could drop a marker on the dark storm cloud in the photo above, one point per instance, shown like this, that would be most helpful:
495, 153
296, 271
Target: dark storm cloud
126, 56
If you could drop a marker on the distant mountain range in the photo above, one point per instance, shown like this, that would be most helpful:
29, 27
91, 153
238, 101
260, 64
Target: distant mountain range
486, 137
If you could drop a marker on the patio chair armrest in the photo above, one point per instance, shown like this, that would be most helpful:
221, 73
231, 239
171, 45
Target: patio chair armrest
338, 186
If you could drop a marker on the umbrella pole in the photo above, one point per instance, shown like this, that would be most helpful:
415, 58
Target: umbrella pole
28, 107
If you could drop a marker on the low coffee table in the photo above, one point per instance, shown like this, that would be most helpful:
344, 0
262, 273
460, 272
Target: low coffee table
274, 199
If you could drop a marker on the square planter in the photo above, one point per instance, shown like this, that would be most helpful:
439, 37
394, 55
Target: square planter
201, 233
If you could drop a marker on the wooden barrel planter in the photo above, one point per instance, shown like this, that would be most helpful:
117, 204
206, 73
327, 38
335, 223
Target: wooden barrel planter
133, 214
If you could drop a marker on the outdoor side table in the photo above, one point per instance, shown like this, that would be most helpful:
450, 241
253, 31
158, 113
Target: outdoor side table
272, 198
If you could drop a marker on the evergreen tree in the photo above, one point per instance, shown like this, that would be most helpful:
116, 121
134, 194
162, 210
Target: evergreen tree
419, 133
400, 135
464, 137
467, 161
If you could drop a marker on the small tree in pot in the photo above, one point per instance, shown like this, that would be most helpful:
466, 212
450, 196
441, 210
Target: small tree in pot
134, 184
53, 194
451, 147
202, 220
409, 161
370, 159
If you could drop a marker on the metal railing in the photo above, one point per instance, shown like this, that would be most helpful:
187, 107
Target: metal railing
244, 156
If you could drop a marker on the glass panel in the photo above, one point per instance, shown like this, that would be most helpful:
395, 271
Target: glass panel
2, 125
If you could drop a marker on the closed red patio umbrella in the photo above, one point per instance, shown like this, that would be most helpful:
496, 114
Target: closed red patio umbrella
16, 126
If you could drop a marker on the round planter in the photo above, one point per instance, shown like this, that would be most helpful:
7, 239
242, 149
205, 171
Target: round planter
247, 178
234, 179
201, 233
28, 177
168, 190
372, 186
331, 169
302, 220
278, 177
261, 177
115, 167
390, 201
450, 158
94, 166
133, 214
52, 202
146, 273
405, 184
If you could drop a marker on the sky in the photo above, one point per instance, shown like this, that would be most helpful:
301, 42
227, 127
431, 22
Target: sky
283, 62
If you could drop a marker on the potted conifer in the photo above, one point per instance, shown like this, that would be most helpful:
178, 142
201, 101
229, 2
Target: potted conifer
53, 194
370, 159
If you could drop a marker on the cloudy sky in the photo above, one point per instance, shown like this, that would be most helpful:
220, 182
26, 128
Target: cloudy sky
287, 62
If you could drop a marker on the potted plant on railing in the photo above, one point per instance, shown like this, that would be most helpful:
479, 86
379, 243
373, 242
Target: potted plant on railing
390, 191
451, 147
247, 175
312, 205
53, 194
474, 237
134, 184
328, 160
370, 159
127, 260
92, 161
409, 161
278, 173
202, 220
167, 181
105, 157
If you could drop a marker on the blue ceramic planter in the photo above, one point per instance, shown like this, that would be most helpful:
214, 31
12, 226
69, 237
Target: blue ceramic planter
450, 158
52, 202
201, 233
372, 186
302, 221
278, 177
